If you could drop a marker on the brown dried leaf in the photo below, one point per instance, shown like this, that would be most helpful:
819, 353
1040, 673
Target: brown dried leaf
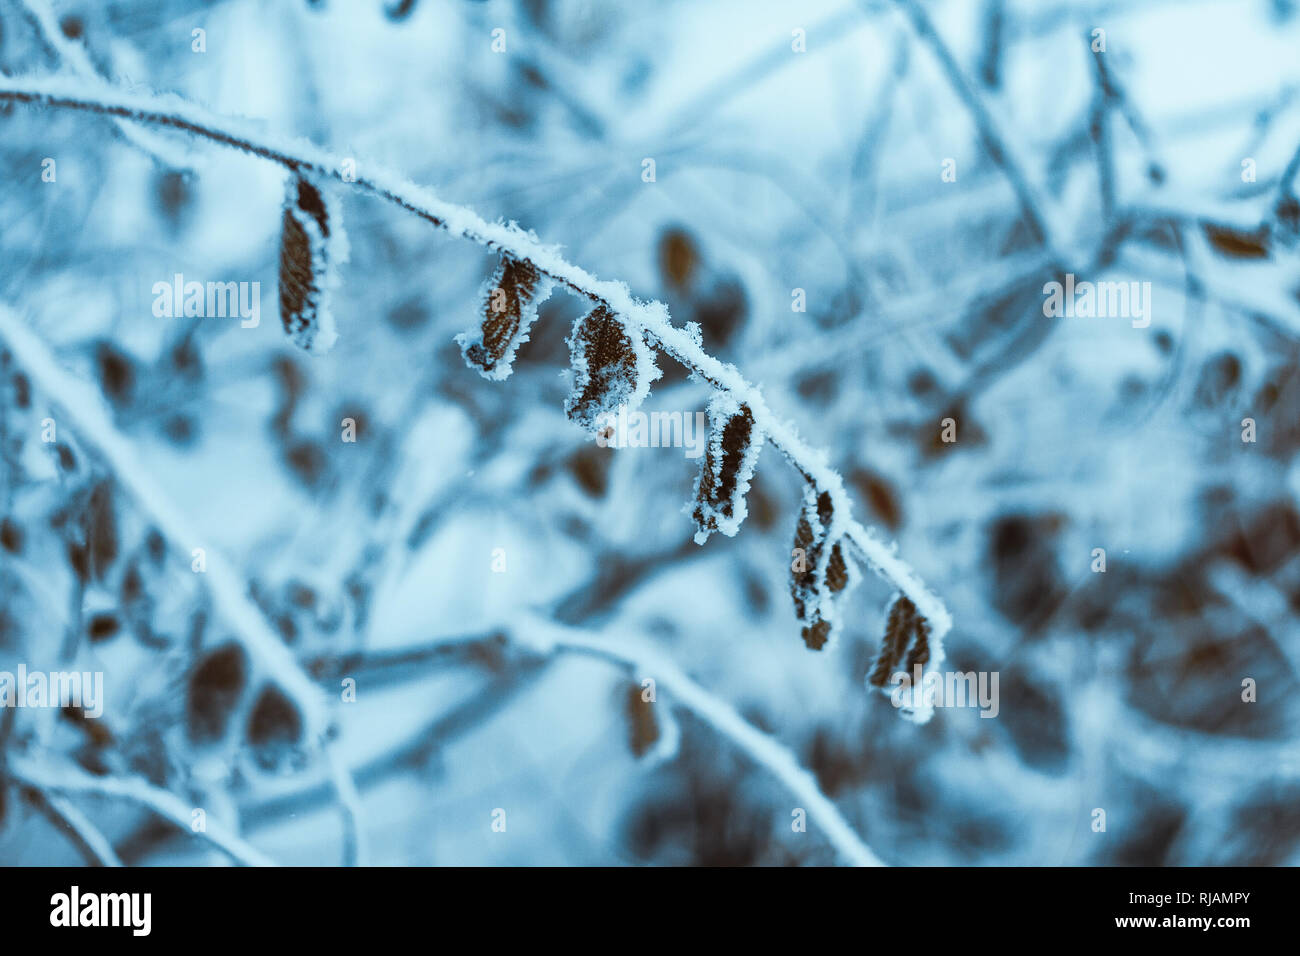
906, 643
822, 573
511, 298
608, 366
1238, 243
308, 250
643, 726
726, 469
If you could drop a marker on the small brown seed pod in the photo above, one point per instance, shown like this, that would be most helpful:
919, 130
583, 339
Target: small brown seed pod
819, 571
511, 299
612, 367
906, 644
726, 469
312, 247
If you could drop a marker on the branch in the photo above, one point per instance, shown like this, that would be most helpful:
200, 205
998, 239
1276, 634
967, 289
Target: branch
650, 318
349, 799
1288, 205
74, 781
995, 143
81, 405
546, 639
542, 643
76, 58
1099, 126
410, 753
81, 833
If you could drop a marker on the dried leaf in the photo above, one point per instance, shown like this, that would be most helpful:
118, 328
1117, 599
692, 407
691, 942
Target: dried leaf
511, 299
678, 258
643, 728
11, 535
919, 655
97, 524
819, 571
612, 367
726, 469
653, 733
808, 536
906, 644
274, 727
117, 373
312, 247
881, 496
215, 688
101, 627
898, 630
1238, 243
816, 635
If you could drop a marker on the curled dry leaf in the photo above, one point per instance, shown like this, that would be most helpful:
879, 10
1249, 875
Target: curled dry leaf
1238, 243
275, 727
726, 469
907, 649
653, 733
312, 247
819, 572
906, 642
511, 299
612, 367
216, 687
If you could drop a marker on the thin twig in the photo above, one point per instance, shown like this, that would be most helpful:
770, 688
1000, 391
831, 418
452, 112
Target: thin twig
538, 642
76, 58
986, 125
1287, 185
69, 781
1100, 128
412, 753
547, 638
84, 835
345, 788
993, 19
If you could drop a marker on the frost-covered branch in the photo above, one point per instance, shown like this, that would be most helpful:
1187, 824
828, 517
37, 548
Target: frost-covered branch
764, 750
72, 781
648, 320
350, 807
82, 407
535, 642
77, 60
547, 639
80, 831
